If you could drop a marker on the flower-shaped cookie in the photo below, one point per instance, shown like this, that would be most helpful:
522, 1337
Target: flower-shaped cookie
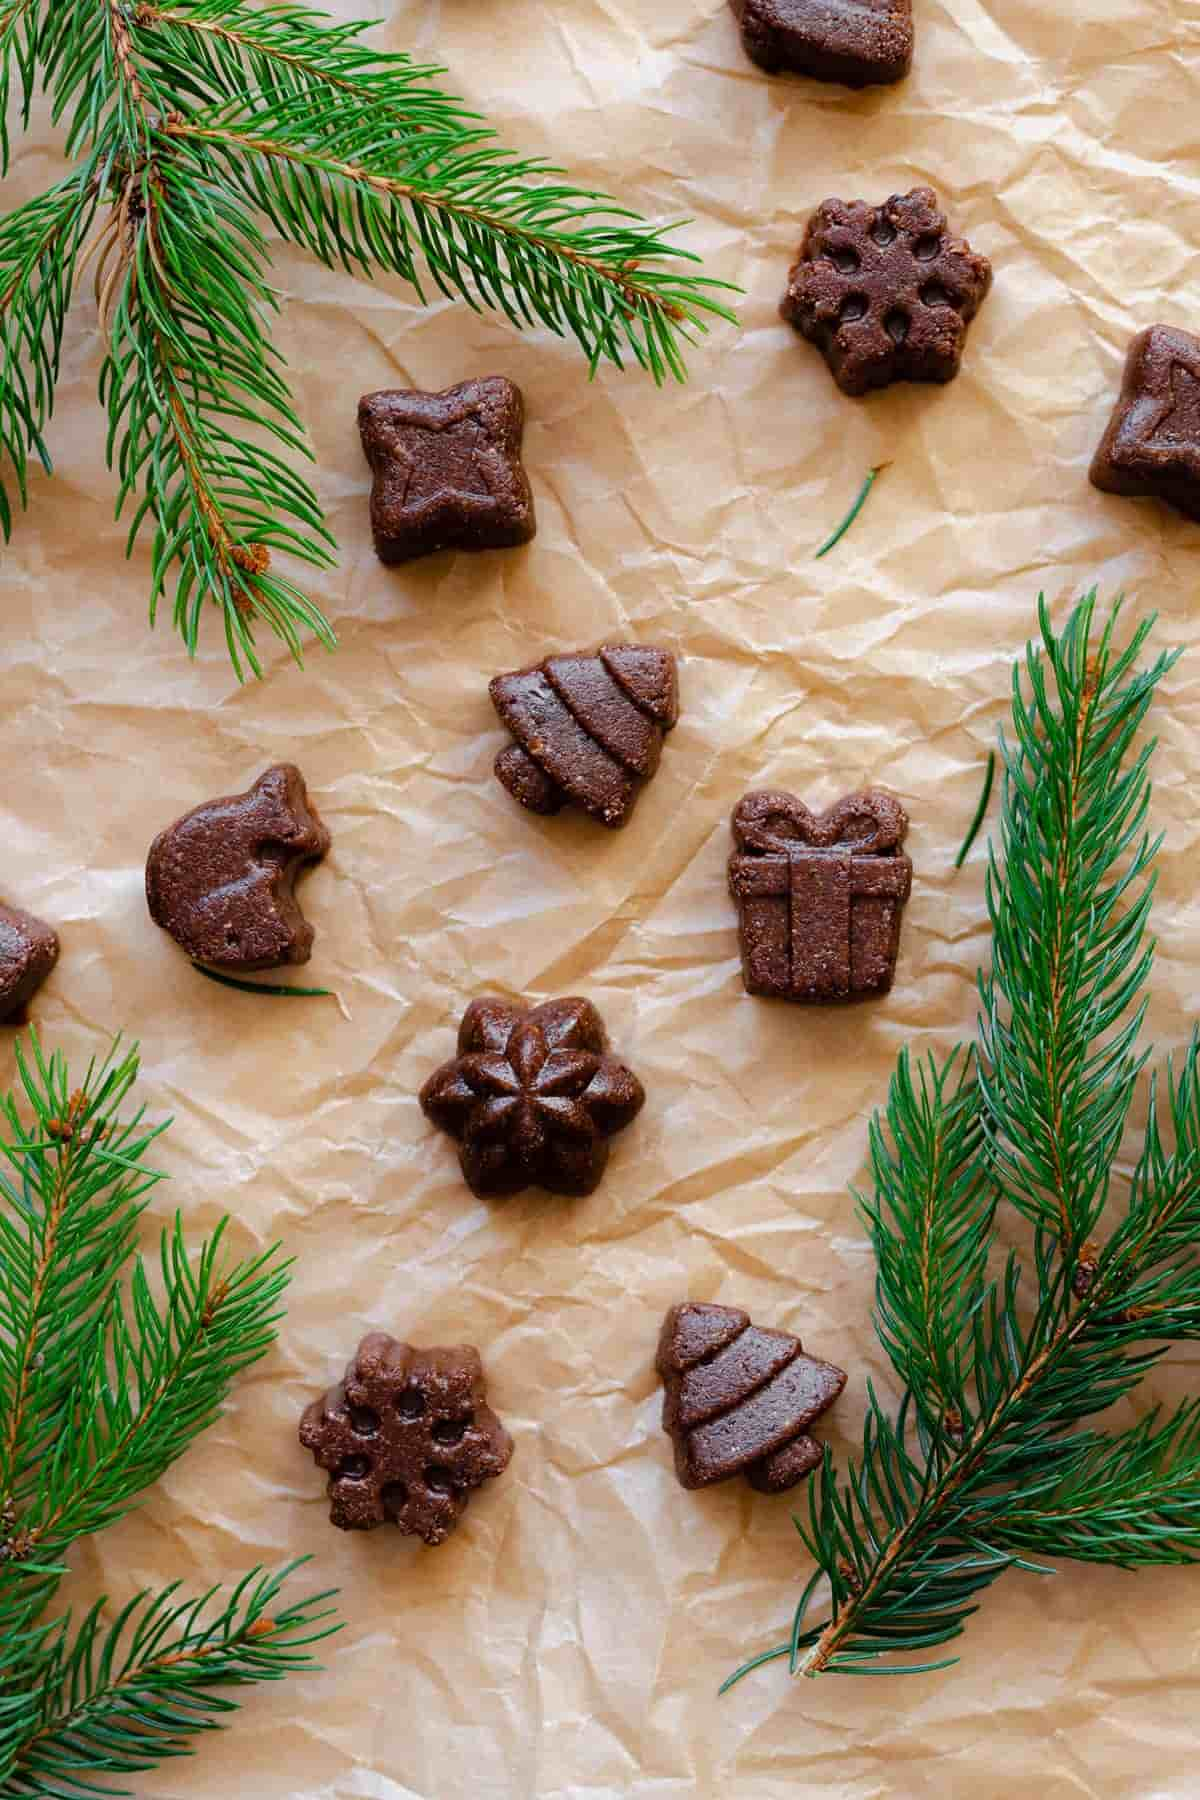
532, 1097
884, 292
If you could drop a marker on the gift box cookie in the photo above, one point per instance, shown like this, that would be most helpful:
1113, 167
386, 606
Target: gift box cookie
819, 895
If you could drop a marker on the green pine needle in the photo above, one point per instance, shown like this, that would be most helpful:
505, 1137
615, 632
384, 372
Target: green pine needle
194, 122
976, 824
109, 1370
835, 537
264, 987
990, 1462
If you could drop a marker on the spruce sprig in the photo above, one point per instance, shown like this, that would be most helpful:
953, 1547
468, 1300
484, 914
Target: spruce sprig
193, 121
105, 1379
990, 1462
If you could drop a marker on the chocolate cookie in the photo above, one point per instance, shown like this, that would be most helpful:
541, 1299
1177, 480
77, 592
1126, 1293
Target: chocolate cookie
819, 895
532, 1097
739, 1400
883, 292
447, 468
28, 952
860, 43
1152, 445
406, 1436
588, 729
221, 879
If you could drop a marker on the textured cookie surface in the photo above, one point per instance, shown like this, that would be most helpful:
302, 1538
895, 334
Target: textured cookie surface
861, 43
1152, 445
532, 1097
885, 292
586, 729
739, 1400
819, 895
221, 879
447, 469
28, 952
405, 1437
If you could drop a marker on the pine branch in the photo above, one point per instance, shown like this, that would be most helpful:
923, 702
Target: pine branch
930, 1221
217, 50
911, 1535
365, 198
188, 373
156, 1376
39, 248
118, 1700
70, 1209
1068, 952
191, 110
1132, 1500
99, 1394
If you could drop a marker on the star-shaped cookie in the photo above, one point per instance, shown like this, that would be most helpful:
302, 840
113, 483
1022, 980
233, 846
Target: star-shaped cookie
447, 468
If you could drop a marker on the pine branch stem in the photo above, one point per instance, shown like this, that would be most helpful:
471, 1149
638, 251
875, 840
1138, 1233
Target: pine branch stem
1057, 957
618, 277
14, 1424
924, 1521
929, 1211
124, 53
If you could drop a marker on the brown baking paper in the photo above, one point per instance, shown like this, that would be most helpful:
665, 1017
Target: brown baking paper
569, 1641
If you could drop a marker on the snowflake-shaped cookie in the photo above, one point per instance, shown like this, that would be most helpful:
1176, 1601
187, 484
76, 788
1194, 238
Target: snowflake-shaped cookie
405, 1437
883, 292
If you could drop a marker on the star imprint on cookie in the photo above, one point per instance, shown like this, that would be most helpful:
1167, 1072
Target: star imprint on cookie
447, 469
883, 292
532, 1097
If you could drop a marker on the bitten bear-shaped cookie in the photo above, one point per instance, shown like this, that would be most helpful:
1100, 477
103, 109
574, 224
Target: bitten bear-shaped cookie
221, 880
884, 292
819, 895
861, 43
406, 1437
532, 1097
447, 467
587, 729
1152, 445
28, 952
738, 1400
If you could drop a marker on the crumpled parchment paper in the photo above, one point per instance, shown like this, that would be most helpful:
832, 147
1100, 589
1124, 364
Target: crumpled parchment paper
569, 1641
